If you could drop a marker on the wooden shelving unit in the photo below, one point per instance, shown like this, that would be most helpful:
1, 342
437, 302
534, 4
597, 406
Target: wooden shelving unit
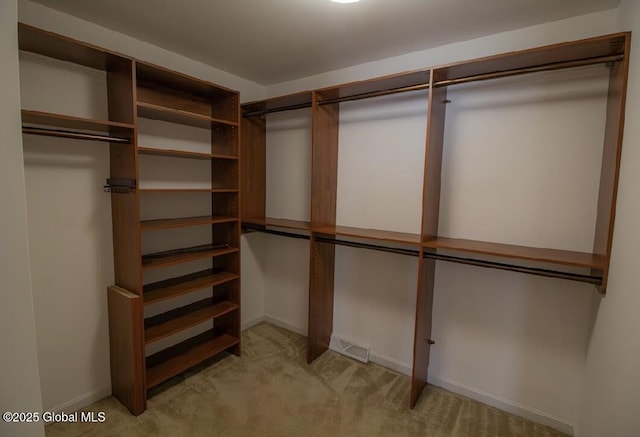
141, 90
253, 170
429, 246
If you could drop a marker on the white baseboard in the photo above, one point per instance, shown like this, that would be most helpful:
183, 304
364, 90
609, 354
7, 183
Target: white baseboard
512, 407
251, 323
286, 325
82, 401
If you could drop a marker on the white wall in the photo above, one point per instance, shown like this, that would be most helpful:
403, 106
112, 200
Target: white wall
509, 339
611, 391
69, 215
20, 382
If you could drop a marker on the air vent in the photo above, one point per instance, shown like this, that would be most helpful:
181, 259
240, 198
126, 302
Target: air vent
350, 349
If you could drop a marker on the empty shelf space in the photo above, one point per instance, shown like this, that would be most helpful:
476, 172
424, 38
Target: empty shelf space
179, 319
370, 234
154, 261
60, 121
182, 154
277, 223
156, 112
188, 190
174, 287
178, 358
150, 225
553, 256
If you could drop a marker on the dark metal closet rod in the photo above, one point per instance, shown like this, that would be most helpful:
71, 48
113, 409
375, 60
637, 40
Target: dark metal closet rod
361, 96
525, 70
279, 109
264, 230
597, 280
397, 250
72, 134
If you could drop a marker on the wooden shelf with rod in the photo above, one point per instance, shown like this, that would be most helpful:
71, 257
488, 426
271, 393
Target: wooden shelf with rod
179, 286
513, 252
299, 225
378, 235
138, 90
176, 359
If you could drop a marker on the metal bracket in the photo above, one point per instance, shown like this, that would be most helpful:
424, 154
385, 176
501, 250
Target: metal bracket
120, 185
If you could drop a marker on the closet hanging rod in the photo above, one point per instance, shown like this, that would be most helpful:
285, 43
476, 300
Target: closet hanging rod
396, 250
525, 70
591, 279
72, 134
258, 228
403, 89
279, 109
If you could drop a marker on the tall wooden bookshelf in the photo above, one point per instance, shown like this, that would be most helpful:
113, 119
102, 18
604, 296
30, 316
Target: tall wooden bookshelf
138, 90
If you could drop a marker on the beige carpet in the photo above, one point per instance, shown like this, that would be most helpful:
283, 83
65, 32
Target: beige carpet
271, 391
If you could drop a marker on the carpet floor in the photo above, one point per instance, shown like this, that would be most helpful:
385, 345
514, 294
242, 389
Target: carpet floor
271, 391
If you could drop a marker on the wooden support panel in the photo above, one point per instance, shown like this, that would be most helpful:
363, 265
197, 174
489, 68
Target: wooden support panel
253, 176
321, 282
422, 335
127, 349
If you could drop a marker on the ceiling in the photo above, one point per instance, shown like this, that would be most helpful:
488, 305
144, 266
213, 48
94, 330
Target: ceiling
271, 41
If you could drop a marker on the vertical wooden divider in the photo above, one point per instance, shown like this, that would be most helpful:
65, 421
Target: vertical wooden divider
125, 312
324, 181
430, 212
253, 171
611, 154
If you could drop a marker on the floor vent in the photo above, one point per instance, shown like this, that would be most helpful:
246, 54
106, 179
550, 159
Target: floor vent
350, 349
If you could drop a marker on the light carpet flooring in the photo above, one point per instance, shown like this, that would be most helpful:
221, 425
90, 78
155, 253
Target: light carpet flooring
271, 391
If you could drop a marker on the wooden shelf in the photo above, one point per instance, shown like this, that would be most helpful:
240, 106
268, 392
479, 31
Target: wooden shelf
278, 223
174, 287
42, 42
552, 256
182, 154
174, 360
188, 190
175, 80
591, 48
278, 104
49, 119
150, 225
156, 112
379, 86
370, 234
179, 319
185, 258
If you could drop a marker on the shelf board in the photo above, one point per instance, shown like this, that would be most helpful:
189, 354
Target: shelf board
182, 154
384, 84
174, 287
185, 258
150, 225
552, 256
188, 190
179, 319
278, 223
370, 234
278, 104
176, 359
60, 121
52, 45
157, 112
590, 48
